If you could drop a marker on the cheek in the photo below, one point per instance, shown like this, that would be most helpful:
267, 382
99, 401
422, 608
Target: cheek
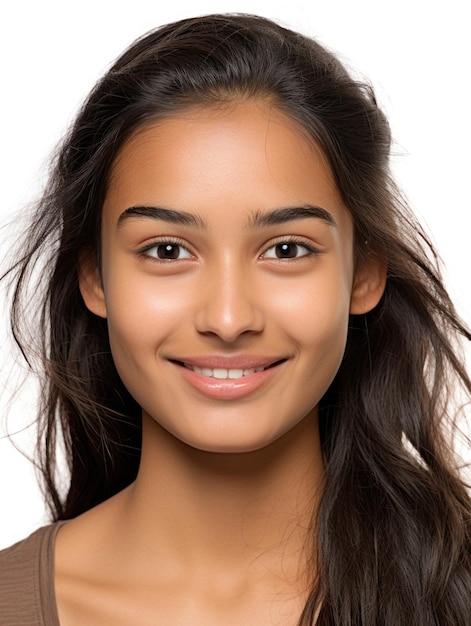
316, 319
324, 339
141, 316
317, 304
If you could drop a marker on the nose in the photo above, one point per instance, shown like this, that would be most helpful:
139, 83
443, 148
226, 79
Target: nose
229, 304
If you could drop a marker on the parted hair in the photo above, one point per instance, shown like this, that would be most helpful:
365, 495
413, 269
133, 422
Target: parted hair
393, 530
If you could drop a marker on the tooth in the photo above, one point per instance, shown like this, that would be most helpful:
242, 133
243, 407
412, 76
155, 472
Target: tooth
220, 373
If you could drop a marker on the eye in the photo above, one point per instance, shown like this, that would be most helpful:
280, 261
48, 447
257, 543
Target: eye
287, 250
166, 251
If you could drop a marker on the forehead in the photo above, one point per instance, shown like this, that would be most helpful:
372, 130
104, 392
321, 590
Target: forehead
242, 157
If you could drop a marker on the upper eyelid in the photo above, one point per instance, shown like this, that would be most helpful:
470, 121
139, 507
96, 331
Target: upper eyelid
295, 239
158, 241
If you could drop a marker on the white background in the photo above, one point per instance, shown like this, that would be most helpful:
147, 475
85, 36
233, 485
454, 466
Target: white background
416, 54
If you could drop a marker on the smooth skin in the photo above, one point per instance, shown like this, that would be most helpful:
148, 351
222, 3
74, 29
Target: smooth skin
225, 246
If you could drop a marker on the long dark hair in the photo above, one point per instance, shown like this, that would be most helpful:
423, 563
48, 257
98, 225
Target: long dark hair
393, 531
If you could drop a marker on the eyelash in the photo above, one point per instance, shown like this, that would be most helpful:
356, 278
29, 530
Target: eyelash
172, 241
169, 241
295, 241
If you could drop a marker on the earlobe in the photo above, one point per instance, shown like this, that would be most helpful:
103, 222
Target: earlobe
368, 286
90, 285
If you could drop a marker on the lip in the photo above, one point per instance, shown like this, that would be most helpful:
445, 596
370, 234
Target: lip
227, 388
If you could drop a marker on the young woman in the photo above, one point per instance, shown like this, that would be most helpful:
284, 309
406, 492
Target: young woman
247, 352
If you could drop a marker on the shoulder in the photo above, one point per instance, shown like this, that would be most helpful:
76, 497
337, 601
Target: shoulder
27, 580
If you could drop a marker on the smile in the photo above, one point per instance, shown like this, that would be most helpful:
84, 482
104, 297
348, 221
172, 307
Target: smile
228, 378
221, 373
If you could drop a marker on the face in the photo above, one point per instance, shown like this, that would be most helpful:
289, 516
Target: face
227, 275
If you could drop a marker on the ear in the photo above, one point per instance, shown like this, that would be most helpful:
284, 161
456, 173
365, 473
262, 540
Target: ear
90, 284
368, 285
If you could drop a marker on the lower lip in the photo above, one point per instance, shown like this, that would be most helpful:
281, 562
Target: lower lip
228, 388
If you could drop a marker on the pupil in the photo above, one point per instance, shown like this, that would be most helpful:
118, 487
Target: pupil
286, 250
168, 251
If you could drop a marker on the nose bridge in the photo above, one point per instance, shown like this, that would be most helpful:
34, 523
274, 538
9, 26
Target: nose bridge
229, 305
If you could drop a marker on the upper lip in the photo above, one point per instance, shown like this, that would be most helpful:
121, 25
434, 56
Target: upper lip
242, 362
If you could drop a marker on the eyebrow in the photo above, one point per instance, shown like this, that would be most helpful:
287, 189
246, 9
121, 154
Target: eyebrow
167, 215
257, 219
282, 215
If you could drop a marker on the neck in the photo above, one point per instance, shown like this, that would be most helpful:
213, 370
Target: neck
204, 509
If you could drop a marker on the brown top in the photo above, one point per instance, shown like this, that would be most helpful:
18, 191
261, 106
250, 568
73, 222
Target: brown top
27, 595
